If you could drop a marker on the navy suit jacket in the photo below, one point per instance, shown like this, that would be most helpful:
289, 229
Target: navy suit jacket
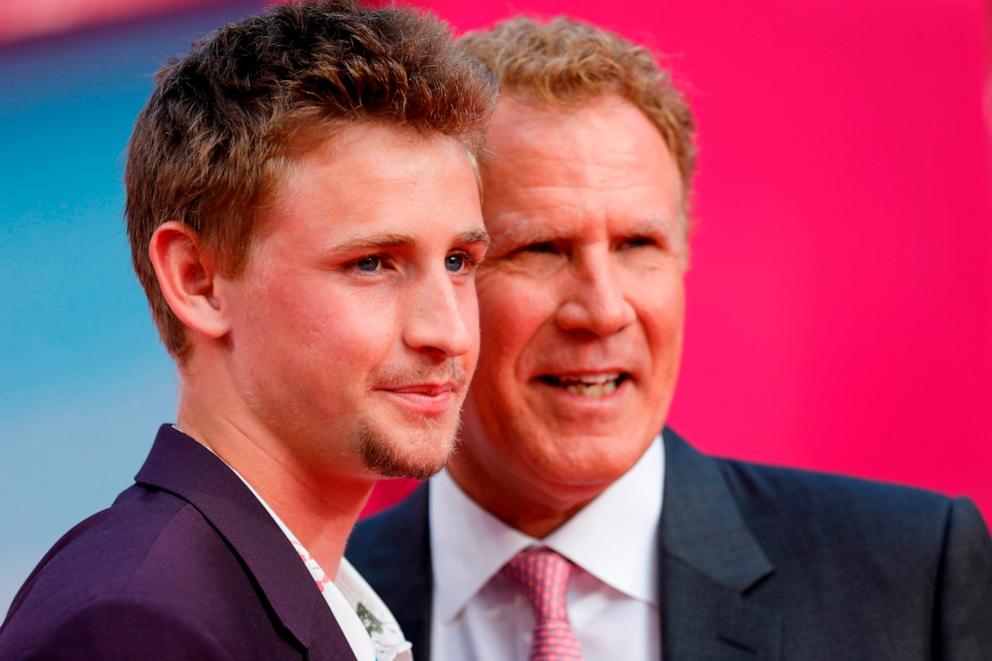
766, 563
186, 564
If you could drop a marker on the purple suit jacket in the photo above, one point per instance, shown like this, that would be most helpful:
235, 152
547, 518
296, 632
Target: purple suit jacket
186, 564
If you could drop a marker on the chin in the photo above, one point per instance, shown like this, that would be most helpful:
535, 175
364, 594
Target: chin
417, 454
590, 460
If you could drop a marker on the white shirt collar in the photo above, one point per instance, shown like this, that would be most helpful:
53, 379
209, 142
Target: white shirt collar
614, 537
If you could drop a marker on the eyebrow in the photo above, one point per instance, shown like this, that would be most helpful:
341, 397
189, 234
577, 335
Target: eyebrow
656, 225
475, 236
524, 232
383, 240
395, 240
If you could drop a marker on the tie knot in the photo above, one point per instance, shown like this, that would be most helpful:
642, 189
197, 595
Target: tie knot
542, 575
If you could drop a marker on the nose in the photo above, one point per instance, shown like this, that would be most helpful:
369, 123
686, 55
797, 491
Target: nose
597, 302
442, 320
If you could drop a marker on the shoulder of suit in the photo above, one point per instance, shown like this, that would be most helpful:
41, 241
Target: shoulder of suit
118, 626
812, 487
834, 507
150, 551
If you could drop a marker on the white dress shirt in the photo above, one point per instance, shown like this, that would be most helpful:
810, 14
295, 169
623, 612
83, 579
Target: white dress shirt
612, 598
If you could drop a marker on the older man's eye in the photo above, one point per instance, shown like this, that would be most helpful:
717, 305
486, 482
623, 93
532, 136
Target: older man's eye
369, 264
637, 242
542, 247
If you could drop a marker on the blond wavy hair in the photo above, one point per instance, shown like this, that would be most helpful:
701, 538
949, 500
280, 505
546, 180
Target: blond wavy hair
565, 62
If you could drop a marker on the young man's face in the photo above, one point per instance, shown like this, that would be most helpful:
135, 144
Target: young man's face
355, 325
581, 302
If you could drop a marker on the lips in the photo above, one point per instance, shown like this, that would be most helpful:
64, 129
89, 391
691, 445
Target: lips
594, 385
426, 389
427, 399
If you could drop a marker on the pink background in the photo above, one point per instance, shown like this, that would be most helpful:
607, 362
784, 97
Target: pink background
840, 299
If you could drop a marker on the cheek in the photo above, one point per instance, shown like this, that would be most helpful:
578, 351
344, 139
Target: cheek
661, 310
320, 323
511, 311
468, 305
361, 327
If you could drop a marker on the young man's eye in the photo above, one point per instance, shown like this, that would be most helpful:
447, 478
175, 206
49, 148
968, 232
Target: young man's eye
456, 262
369, 264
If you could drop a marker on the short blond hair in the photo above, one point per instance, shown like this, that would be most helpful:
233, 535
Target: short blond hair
566, 62
207, 147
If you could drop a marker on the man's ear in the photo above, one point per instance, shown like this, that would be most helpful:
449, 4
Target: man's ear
186, 275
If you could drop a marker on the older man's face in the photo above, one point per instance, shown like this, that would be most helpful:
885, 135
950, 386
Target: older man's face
581, 302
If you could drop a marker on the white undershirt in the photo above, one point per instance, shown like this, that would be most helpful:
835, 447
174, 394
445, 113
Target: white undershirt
349, 597
612, 599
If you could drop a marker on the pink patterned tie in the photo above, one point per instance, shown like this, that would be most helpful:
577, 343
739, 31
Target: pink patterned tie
542, 575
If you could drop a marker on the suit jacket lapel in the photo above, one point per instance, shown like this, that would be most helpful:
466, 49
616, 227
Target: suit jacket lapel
182, 466
709, 560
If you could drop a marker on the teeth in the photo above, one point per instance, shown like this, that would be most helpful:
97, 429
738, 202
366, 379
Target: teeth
587, 385
596, 379
592, 390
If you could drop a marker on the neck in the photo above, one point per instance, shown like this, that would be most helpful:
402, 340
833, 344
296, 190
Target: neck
320, 506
